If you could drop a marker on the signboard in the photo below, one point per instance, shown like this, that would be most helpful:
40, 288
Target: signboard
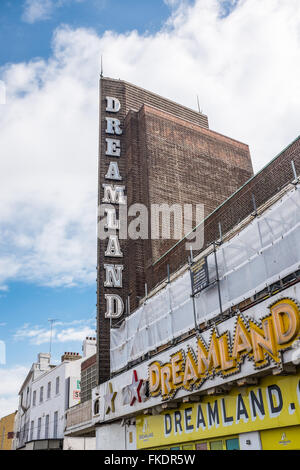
281, 438
74, 391
113, 191
199, 275
258, 340
262, 342
271, 405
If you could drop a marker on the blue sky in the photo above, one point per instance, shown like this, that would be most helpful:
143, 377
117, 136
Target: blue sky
26, 307
25, 40
27, 35
240, 57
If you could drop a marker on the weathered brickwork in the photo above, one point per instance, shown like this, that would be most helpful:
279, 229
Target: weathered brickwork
189, 164
168, 155
258, 189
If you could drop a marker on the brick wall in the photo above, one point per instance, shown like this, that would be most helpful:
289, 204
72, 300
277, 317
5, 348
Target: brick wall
188, 164
262, 186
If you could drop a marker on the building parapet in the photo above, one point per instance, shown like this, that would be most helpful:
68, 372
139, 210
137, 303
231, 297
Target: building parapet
78, 416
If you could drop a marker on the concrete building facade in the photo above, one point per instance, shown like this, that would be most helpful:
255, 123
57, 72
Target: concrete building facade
48, 396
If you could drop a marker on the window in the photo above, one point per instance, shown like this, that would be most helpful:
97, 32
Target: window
88, 382
57, 386
49, 390
96, 407
232, 444
39, 427
55, 425
41, 394
23, 433
201, 446
34, 398
227, 443
47, 427
27, 431
216, 445
31, 430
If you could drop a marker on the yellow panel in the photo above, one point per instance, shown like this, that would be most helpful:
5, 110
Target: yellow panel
281, 439
6, 426
275, 403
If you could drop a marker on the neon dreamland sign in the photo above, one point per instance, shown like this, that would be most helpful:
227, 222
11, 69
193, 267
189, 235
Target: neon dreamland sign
262, 342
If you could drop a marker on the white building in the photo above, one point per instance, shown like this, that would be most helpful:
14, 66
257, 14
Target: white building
47, 392
23, 416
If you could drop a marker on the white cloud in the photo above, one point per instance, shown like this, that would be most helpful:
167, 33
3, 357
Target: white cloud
48, 208
40, 10
172, 3
244, 67
37, 10
11, 380
74, 334
62, 332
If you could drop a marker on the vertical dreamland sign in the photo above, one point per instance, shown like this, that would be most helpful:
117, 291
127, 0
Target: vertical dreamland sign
111, 282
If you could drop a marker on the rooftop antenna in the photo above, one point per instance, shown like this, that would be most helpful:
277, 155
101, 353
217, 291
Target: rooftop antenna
101, 71
199, 110
51, 321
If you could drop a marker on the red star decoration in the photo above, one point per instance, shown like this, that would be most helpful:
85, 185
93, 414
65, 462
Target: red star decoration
135, 388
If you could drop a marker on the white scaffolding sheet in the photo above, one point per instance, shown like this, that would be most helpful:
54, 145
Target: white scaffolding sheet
265, 251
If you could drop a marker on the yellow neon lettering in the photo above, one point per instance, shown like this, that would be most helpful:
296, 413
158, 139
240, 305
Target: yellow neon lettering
190, 371
166, 380
154, 378
286, 321
176, 363
263, 341
242, 341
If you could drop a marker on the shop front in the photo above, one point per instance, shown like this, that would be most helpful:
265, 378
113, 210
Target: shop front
233, 386
263, 416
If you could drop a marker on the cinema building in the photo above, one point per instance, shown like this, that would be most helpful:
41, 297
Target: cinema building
198, 334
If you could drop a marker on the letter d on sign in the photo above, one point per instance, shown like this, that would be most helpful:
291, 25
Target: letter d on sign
168, 424
154, 378
113, 105
114, 306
